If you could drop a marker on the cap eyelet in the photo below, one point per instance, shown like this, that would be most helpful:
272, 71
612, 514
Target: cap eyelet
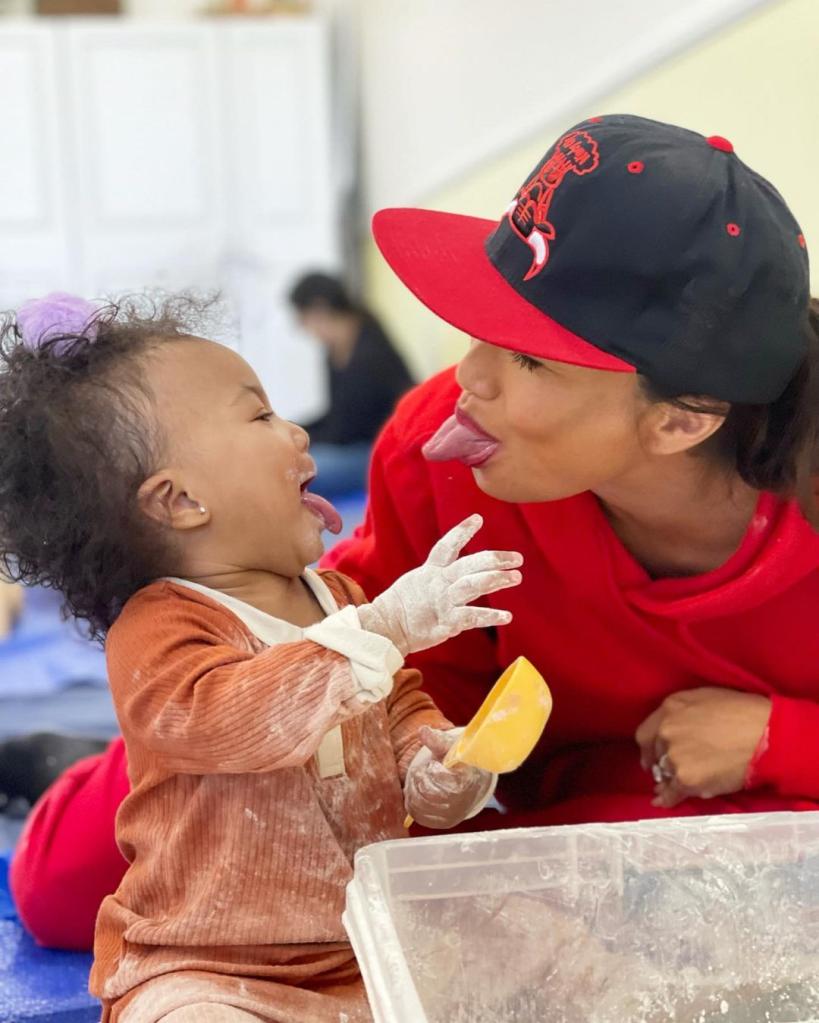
801, 239
718, 142
594, 120
734, 230
636, 167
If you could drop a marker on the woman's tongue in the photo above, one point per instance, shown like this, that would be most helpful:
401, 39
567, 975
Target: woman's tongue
456, 441
323, 510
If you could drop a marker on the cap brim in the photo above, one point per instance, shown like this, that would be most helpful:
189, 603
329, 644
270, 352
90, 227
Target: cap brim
441, 258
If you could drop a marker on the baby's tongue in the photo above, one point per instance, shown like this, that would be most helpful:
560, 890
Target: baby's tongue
324, 511
457, 442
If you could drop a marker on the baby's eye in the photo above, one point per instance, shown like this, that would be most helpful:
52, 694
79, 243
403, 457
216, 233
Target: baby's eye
526, 361
265, 417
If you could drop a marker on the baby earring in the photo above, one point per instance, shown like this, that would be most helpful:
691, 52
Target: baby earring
202, 510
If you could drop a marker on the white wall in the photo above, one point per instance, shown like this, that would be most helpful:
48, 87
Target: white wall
449, 85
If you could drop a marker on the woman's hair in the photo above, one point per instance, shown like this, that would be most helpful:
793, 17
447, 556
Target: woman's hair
323, 291
77, 439
772, 447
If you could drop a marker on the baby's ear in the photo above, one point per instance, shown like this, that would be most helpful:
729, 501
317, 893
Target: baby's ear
163, 498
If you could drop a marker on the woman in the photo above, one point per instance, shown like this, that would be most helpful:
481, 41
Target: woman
365, 378
639, 419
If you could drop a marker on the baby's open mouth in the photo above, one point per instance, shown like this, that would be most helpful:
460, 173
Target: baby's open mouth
320, 507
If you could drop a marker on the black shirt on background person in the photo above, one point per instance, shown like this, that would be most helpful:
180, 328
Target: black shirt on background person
363, 391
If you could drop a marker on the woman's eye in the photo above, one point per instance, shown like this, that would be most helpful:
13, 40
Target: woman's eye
526, 361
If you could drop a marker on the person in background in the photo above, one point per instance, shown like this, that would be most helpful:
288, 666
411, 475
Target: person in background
365, 378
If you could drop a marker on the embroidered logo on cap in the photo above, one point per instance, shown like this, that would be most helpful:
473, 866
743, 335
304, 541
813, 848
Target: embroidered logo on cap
575, 153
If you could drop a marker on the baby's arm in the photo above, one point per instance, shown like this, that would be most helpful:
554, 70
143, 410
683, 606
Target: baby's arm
423, 608
409, 709
189, 692
434, 795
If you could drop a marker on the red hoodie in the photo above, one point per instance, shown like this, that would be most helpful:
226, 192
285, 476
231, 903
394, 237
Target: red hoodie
611, 642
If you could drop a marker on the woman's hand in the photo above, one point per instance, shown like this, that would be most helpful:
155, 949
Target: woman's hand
438, 796
431, 604
700, 742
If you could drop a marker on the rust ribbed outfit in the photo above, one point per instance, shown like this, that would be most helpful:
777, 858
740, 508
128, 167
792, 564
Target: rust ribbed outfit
255, 778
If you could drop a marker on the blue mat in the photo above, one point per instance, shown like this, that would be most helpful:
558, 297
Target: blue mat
37, 985
45, 654
79, 710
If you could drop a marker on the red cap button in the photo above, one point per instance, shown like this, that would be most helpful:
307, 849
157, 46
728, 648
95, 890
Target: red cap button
718, 142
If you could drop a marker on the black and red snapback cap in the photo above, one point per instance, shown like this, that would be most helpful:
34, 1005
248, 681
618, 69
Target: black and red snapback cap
633, 246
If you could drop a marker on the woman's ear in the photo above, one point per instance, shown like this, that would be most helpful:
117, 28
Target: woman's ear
668, 429
163, 498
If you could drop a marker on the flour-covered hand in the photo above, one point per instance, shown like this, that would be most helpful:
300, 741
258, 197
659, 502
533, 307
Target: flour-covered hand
431, 604
441, 797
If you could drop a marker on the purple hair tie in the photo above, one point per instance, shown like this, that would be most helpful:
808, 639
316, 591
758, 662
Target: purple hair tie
42, 319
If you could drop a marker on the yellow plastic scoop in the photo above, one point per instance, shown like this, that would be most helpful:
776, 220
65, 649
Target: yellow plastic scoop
508, 724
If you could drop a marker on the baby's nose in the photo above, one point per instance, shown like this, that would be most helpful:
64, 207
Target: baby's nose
301, 438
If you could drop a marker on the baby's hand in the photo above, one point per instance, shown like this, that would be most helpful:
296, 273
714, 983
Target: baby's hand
430, 604
438, 796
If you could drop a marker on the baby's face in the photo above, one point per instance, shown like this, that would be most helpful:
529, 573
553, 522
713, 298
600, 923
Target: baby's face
235, 457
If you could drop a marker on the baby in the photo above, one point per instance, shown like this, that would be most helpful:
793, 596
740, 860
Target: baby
270, 728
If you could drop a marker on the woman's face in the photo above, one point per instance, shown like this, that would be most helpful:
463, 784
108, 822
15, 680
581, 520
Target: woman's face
562, 429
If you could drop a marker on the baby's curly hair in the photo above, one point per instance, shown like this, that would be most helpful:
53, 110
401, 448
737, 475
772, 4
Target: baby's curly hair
77, 439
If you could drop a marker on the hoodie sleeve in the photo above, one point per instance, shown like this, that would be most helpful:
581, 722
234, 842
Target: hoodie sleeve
787, 758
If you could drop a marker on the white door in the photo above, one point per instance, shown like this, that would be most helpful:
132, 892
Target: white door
35, 250
148, 118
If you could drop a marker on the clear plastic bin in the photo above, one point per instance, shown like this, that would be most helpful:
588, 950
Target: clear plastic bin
694, 920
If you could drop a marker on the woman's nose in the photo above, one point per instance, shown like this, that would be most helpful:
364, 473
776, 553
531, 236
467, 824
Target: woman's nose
476, 371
